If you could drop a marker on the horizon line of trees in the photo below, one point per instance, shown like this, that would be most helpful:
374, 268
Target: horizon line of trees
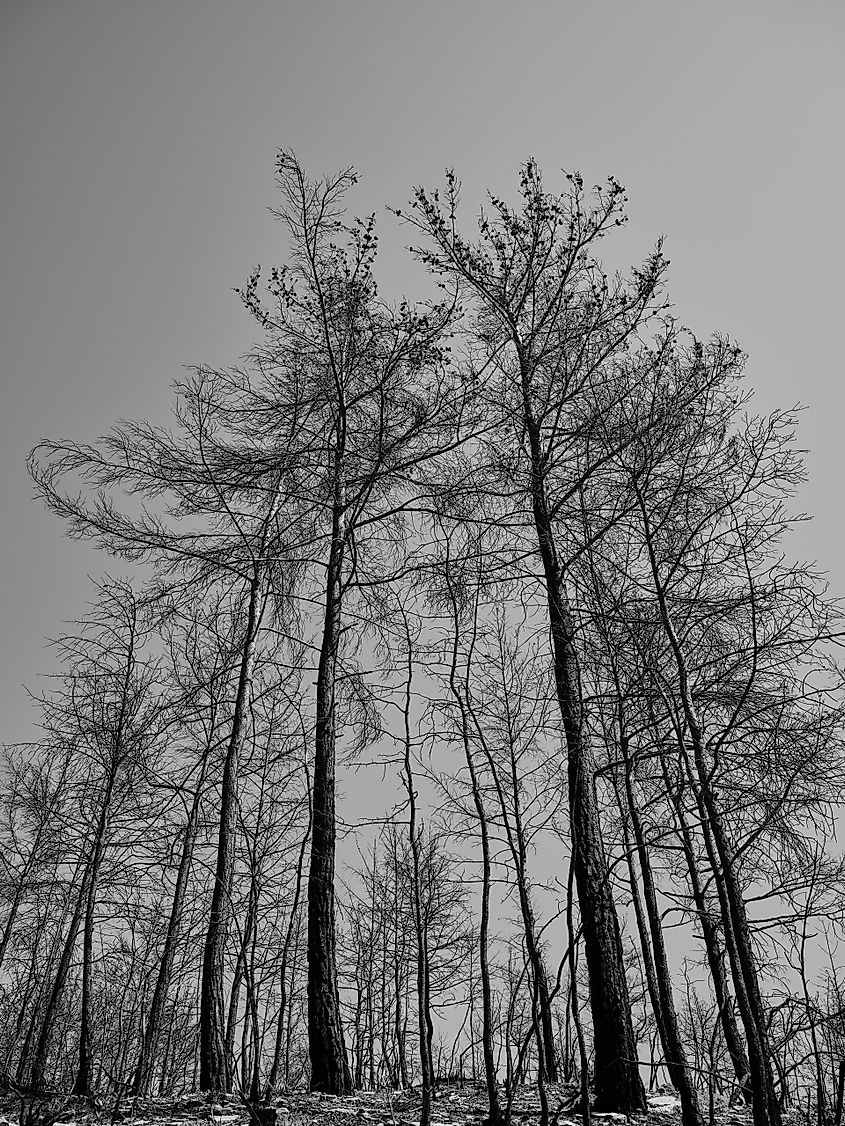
523, 549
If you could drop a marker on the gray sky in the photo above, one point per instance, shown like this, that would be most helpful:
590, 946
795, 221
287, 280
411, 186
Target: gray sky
137, 145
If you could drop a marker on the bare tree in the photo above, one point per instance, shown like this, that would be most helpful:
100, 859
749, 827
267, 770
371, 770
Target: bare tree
553, 331
379, 404
106, 713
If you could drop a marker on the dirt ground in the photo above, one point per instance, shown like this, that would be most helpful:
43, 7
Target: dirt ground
453, 1106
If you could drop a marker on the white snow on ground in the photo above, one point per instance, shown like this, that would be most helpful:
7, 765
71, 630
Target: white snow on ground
664, 1102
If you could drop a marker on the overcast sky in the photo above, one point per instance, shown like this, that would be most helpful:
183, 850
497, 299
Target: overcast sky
137, 145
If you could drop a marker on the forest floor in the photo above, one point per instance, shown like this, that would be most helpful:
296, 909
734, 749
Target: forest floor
453, 1106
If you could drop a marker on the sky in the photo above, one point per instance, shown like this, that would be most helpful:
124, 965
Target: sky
137, 148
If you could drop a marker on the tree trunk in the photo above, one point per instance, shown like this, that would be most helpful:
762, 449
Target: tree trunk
82, 908
673, 1046
583, 1064
618, 1086
423, 1013
32, 858
642, 928
165, 1059
329, 1066
30, 994
273, 1079
426, 1011
420, 923
291, 1000
214, 1065
149, 1042
232, 1018
712, 946
546, 1060
494, 1113
766, 1108
13, 912
758, 1064
241, 976
544, 1032
399, 1029
82, 1084
22, 1073
42, 1045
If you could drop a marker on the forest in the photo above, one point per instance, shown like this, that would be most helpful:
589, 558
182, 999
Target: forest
450, 708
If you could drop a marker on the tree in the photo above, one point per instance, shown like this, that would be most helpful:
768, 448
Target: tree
107, 714
563, 543
498, 710
198, 669
380, 403
231, 496
720, 627
553, 334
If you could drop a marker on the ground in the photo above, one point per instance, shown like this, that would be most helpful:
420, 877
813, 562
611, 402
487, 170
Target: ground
453, 1106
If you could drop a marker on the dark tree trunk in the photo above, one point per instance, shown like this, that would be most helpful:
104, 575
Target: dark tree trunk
426, 1014
575, 1005
424, 1028
757, 1064
765, 1104
399, 1024
83, 908
291, 1000
275, 1067
617, 1083
673, 1046
423, 1013
31, 861
766, 1108
254, 1093
30, 994
13, 912
642, 928
213, 1061
547, 1062
494, 1112
166, 1056
82, 1084
329, 1066
244, 975
515, 832
42, 1044
618, 1086
713, 950
152, 1031
232, 1018
239, 977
